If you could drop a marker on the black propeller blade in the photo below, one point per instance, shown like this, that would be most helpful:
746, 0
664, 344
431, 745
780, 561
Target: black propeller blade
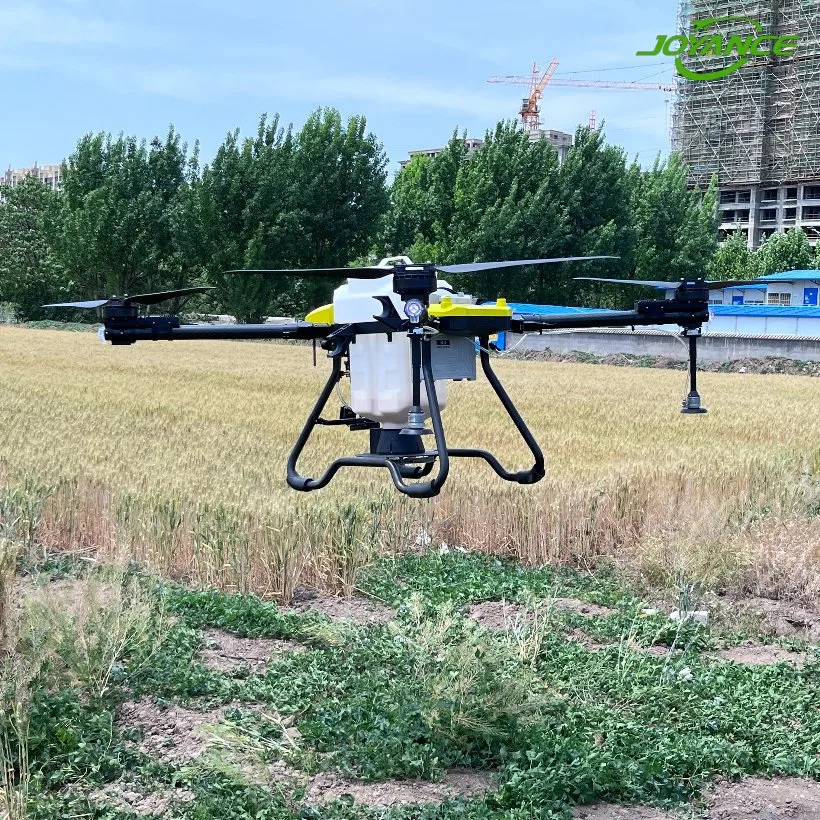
373, 272
673, 285
476, 267
140, 299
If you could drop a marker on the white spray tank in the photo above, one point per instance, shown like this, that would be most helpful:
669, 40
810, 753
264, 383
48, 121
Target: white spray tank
380, 370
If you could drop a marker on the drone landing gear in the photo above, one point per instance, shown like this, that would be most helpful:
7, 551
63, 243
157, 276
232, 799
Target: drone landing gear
402, 452
691, 404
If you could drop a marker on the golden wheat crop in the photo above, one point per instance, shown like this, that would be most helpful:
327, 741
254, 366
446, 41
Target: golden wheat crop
174, 453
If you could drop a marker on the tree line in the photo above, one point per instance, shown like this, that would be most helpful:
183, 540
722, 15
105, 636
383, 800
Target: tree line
135, 216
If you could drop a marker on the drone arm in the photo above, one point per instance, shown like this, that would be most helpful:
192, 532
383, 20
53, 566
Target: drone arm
656, 312
154, 328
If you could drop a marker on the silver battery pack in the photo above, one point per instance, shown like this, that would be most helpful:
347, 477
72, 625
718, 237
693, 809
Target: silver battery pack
453, 357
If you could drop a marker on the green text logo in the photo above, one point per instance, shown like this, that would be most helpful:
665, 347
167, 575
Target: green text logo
704, 41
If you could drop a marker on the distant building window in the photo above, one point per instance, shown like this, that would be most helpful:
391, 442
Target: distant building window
791, 193
770, 195
716, 301
811, 192
727, 197
744, 196
811, 212
790, 213
753, 298
779, 298
768, 214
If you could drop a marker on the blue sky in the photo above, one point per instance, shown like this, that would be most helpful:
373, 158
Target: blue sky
417, 70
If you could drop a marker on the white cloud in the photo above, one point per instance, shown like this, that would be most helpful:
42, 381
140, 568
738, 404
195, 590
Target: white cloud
193, 84
30, 23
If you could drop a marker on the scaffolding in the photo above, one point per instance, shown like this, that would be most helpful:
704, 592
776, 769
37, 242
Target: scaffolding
761, 124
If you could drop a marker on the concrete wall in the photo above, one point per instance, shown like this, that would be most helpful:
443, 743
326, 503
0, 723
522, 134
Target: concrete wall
764, 325
711, 347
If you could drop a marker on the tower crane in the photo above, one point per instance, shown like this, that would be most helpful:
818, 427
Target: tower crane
530, 112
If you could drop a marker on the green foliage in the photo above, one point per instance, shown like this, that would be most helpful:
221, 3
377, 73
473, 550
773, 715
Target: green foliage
432, 690
121, 229
734, 260
510, 199
676, 227
310, 199
783, 252
31, 272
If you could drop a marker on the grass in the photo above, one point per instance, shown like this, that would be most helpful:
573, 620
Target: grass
558, 725
174, 454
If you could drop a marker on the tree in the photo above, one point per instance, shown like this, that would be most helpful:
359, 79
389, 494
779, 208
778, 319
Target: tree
734, 260
423, 202
784, 252
676, 227
121, 228
596, 188
30, 272
311, 199
507, 205
244, 196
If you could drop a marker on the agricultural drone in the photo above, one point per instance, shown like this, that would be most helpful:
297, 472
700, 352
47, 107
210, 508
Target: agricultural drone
396, 326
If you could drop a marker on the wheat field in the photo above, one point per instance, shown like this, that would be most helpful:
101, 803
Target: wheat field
173, 453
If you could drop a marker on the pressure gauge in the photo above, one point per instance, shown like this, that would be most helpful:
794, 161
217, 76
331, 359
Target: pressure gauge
413, 309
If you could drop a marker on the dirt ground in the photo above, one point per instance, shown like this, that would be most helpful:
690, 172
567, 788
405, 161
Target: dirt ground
501, 615
781, 619
180, 735
226, 652
756, 654
326, 787
172, 735
358, 609
754, 798
135, 798
591, 645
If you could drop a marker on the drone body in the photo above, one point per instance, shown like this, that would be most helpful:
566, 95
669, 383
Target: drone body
399, 334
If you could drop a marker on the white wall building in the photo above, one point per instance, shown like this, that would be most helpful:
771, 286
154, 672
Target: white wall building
50, 175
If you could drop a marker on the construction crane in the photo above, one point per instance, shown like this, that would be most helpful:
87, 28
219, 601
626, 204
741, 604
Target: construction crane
530, 110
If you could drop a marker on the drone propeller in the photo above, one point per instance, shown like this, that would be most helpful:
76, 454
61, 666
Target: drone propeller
651, 283
141, 299
477, 267
375, 272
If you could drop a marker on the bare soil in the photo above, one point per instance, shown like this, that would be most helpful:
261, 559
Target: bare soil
590, 644
580, 607
610, 811
759, 799
754, 798
757, 654
178, 735
226, 652
501, 615
357, 609
467, 783
173, 734
157, 803
781, 619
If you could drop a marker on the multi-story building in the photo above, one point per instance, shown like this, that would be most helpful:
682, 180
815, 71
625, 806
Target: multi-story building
50, 175
472, 145
561, 141
758, 128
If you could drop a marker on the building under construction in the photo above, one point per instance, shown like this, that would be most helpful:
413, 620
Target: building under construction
758, 128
